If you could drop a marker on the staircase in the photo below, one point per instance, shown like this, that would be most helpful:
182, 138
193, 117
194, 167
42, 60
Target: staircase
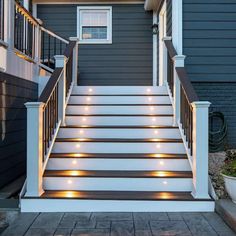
118, 151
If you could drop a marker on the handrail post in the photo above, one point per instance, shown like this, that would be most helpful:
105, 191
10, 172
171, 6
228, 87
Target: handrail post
34, 149
75, 60
178, 62
9, 21
60, 62
200, 149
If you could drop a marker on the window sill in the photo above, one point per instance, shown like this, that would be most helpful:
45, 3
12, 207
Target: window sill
95, 42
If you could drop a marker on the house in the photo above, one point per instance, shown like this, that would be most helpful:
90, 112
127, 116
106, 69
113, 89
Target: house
117, 95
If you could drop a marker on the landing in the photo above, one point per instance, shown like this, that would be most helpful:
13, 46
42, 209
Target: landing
123, 224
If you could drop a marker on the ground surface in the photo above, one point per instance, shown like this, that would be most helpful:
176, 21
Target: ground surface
117, 224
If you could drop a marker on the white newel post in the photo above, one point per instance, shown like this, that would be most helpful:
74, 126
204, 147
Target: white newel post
34, 183
60, 62
9, 10
75, 60
200, 149
178, 62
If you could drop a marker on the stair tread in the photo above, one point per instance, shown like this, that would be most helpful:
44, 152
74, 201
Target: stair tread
117, 104
120, 195
119, 155
117, 174
118, 140
120, 95
120, 127
126, 115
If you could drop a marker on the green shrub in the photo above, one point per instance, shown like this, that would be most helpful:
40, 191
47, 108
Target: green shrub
229, 167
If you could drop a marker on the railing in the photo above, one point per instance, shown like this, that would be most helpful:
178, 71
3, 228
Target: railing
1, 19
187, 94
187, 97
45, 117
50, 96
51, 45
24, 31
170, 65
34, 41
191, 115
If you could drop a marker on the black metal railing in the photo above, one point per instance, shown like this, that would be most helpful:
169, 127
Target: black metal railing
24, 31
50, 97
170, 65
2, 20
187, 94
51, 45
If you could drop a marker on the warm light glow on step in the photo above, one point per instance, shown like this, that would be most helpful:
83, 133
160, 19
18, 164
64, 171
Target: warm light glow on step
70, 194
165, 182
84, 119
74, 172
156, 132
81, 131
154, 119
74, 162
160, 174
86, 108
90, 90
150, 99
69, 181
78, 145
162, 163
158, 146
148, 90
151, 108
88, 98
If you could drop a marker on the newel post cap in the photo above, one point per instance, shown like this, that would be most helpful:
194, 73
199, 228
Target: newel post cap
201, 104
74, 39
34, 105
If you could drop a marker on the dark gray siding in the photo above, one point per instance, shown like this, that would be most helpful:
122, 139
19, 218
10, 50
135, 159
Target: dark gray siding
169, 18
127, 61
210, 45
223, 99
14, 92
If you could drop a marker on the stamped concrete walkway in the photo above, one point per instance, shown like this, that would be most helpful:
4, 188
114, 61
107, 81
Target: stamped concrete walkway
118, 224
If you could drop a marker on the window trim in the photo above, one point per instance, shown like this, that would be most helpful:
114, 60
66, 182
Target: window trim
109, 25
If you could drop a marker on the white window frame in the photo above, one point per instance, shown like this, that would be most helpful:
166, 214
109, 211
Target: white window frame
109, 25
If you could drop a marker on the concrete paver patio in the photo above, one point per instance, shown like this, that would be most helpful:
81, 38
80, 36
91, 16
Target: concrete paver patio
117, 224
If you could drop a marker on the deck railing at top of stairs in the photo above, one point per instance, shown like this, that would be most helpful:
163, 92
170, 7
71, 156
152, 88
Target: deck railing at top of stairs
191, 115
27, 37
45, 117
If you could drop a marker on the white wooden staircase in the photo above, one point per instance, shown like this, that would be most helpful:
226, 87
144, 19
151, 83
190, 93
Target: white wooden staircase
118, 150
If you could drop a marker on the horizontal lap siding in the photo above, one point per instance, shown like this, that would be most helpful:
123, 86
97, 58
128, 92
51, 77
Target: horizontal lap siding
14, 92
127, 61
169, 18
210, 46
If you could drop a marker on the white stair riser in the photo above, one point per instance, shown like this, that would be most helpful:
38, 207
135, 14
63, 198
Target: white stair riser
104, 147
76, 205
118, 184
118, 164
146, 110
109, 90
119, 100
118, 133
119, 120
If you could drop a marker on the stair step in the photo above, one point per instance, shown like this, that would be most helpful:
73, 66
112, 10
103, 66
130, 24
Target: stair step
119, 109
119, 155
119, 120
110, 140
118, 127
120, 195
117, 174
123, 90
117, 164
116, 105
116, 99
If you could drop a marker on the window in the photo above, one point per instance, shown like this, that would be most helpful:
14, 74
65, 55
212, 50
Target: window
94, 25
